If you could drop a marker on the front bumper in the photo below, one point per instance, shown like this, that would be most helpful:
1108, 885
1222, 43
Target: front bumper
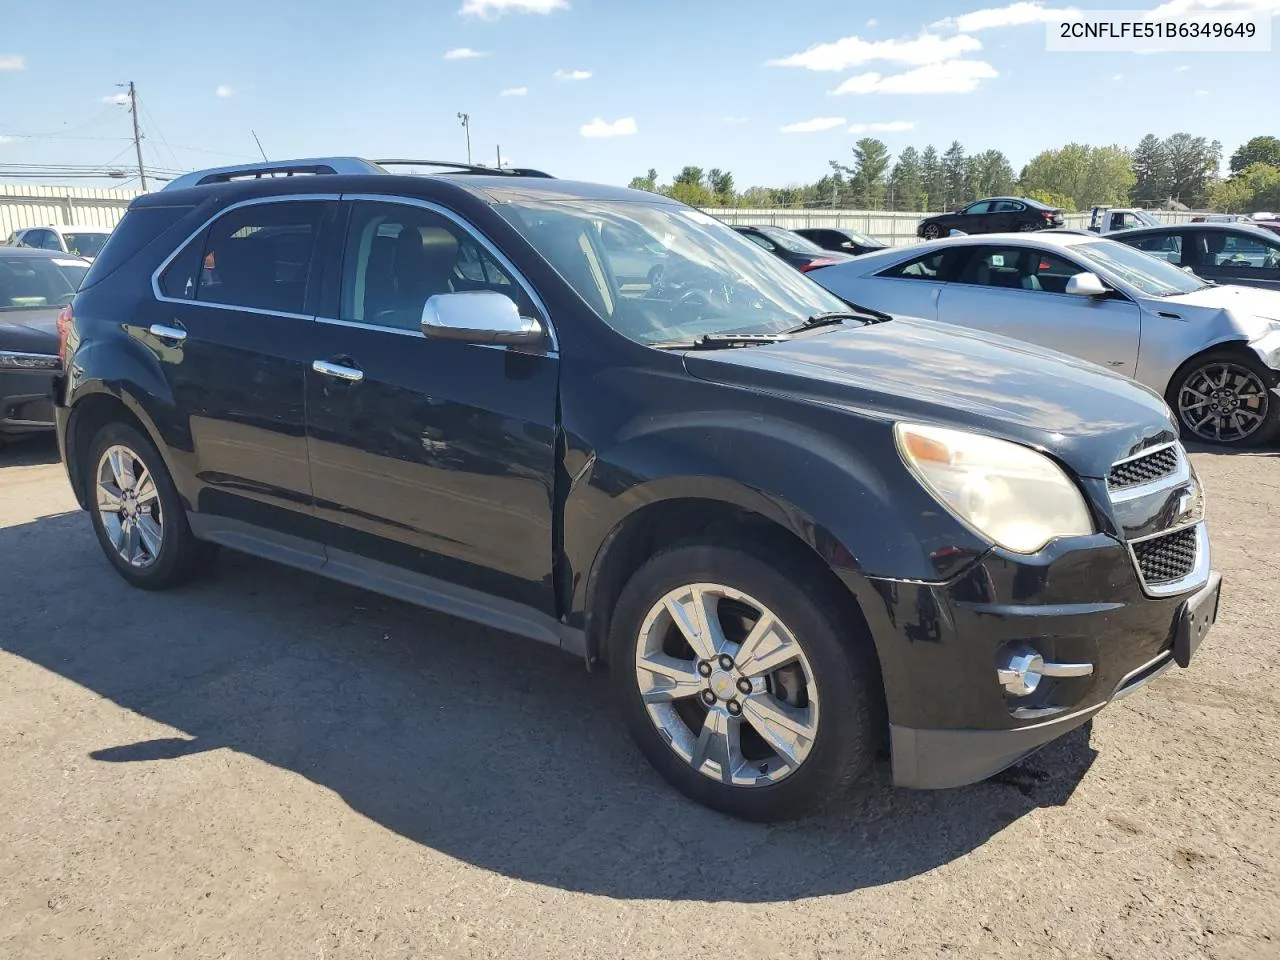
26, 404
951, 722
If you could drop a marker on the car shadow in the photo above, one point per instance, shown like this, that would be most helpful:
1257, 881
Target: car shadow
29, 451
497, 751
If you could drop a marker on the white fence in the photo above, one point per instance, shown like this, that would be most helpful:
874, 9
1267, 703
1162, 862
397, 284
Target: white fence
36, 206
24, 205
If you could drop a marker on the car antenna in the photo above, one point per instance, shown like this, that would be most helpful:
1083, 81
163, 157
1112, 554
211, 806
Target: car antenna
260, 150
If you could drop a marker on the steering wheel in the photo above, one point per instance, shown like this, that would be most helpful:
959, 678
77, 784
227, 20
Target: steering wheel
657, 280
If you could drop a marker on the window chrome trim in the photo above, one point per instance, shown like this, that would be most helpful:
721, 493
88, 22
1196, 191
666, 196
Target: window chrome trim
478, 236
252, 202
1180, 475
402, 332
1199, 574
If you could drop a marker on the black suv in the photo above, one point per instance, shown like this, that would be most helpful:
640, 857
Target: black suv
793, 530
993, 215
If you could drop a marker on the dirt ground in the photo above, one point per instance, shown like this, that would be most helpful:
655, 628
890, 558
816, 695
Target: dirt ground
269, 765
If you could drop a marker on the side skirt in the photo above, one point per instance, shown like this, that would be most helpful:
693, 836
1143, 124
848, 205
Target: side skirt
415, 588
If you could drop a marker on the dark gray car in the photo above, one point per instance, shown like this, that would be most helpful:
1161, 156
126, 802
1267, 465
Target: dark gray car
1221, 252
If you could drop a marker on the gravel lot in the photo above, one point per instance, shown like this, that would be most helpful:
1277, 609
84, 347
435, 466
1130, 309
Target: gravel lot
269, 765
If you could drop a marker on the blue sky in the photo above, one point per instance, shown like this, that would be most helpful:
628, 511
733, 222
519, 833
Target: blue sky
610, 87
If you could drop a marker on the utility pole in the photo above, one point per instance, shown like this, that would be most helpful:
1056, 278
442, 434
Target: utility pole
499, 156
466, 125
137, 134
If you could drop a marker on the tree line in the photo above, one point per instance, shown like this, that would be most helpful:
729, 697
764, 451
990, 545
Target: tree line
1180, 169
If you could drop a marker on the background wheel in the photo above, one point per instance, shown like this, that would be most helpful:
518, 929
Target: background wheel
1224, 397
932, 232
1028, 227
137, 514
747, 690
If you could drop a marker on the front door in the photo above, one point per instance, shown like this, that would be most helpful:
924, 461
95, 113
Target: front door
432, 456
1019, 292
1228, 256
230, 331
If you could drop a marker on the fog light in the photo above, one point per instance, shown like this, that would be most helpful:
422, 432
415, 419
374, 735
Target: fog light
1023, 669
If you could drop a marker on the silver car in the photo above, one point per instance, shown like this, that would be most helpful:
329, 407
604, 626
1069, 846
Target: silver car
1213, 352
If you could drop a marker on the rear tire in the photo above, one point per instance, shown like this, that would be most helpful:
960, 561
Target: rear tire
931, 232
137, 514
769, 649
1224, 397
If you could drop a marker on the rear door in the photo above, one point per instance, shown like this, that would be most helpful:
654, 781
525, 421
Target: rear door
431, 456
1019, 292
231, 330
1005, 215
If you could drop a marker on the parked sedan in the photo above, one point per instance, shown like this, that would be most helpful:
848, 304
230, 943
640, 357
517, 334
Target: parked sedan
804, 255
993, 215
34, 286
841, 240
1213, 352
77, 241
1221, 252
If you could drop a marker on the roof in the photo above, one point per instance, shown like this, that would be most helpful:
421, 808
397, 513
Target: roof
66, 228
1239, 226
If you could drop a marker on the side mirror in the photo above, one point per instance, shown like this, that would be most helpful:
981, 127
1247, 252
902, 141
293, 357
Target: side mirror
1085, 285
481, 316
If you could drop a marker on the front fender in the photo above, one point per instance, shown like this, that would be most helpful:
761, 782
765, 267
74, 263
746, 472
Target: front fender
845, 492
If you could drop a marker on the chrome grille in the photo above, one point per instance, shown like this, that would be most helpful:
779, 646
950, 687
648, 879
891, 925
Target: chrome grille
1168, 557
1145, 468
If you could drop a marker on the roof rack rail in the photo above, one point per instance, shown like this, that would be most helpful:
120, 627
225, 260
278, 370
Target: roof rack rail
468, 168
276, 168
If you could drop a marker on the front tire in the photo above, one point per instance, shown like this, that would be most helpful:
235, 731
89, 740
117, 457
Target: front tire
746, 689
1223, 397
137, 514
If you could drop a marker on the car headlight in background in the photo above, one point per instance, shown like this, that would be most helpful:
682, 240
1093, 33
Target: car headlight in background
13, 360
1008, 493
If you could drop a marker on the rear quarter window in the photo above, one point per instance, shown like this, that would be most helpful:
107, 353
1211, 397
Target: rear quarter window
140, 226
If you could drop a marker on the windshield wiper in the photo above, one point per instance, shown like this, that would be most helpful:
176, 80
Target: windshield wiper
840, 316
722, 341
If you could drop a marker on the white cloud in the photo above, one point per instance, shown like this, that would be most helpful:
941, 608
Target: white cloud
598, 128
1202, 93
225, 92
4, 140
572, 75
950, 76
1199, 6
514, 92
463, 53
1118, 77
854, 51
1182, 69
872, 23
489, 9
119, 99
12, 61
816, 125
1014, 15
891, 126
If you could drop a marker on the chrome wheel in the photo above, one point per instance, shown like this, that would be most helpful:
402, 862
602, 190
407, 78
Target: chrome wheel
1223, 402
727, 685
129, 506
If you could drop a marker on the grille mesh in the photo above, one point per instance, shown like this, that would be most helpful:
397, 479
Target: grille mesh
1143, 469
1167, 558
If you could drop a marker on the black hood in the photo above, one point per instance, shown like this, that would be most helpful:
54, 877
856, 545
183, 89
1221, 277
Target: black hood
32, 331
925, 371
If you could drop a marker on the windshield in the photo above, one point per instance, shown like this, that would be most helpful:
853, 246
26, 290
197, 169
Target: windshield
861, 239
1146, 219
663, 273
1153, 277
85, 244
790, 241
30, 282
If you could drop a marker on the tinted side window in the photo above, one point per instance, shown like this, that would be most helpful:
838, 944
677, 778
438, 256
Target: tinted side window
1006, 206
397, 256
1018, 268
760, 241
181, 278
931, 266
1166, 246
259, 256
983, 207
51, 241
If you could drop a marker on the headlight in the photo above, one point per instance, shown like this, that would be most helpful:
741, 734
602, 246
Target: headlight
1006, 492
13, 360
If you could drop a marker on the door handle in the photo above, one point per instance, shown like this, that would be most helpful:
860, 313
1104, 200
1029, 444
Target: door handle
165, 332
337, 370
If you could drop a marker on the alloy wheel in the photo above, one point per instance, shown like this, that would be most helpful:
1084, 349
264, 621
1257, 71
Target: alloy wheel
727, 685
128, 505
1223, 402
932, 232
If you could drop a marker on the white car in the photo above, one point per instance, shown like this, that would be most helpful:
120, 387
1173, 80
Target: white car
1213, 352
81, 241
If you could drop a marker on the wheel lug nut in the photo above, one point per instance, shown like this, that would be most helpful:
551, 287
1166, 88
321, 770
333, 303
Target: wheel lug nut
744, 685
733, 707
708, 698
704, 668
726, 662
